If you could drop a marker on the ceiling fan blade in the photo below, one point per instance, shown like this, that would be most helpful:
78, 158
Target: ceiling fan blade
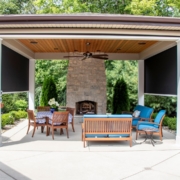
104, 58
100, 55
72, 56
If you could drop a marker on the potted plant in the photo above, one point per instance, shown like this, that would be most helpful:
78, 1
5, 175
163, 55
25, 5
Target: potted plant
53, 104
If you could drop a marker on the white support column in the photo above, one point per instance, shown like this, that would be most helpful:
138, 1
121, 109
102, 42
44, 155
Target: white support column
31, 84
141, 82
0, 87
178, 94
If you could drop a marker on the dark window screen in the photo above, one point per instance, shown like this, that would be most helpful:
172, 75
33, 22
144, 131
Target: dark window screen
161, 73
15, 71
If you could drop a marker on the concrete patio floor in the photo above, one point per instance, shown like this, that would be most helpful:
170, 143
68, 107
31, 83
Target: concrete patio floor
41, 158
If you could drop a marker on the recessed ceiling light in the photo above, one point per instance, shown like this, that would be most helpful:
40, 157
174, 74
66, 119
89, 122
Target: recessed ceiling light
88, 43
33, 42
141, 43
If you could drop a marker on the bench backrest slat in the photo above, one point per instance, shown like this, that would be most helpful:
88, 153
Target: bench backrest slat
107, 125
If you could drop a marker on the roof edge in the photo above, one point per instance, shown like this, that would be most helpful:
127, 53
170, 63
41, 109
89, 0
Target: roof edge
88, 17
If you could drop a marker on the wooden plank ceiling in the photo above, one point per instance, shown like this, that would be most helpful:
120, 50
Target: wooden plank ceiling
80, 45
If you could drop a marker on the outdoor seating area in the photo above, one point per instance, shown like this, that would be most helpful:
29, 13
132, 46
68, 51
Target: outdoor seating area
20, 150
98, 127
76, 136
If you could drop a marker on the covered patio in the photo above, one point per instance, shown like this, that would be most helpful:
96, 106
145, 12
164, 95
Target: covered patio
153, 41
22, 157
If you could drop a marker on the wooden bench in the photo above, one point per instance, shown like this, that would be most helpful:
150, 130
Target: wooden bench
107, 128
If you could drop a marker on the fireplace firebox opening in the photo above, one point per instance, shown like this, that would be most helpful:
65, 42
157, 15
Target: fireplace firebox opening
86, 107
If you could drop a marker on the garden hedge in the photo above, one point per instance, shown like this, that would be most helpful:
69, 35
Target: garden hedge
10, 117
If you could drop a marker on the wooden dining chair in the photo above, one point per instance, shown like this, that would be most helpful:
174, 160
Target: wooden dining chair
35, 122
59, 121
43, 108
71, 111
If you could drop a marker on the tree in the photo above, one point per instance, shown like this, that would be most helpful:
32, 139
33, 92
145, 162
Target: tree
80, 6
58, 70
48, 91
120, 97
17, 7
129, 71
154, 7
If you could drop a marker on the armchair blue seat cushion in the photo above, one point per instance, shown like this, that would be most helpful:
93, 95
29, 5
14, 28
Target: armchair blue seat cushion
147, 125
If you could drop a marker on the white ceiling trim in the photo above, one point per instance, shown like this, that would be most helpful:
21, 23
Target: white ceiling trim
19, 48
155, 49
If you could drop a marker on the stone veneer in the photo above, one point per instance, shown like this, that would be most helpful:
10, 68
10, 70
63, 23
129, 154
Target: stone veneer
86, 80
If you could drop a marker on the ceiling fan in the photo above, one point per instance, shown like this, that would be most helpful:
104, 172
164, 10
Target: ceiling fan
88, 54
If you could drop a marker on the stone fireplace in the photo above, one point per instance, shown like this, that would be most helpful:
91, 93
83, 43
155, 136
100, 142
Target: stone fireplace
86, 85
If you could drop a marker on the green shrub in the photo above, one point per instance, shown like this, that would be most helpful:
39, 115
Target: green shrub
21, 104
22, 114
7, 118
165, 121
8, 103
172, 123
16, 115
154, 115
3, 121
160, 102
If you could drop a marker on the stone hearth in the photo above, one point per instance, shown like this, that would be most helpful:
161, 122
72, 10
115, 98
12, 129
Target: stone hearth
86, 81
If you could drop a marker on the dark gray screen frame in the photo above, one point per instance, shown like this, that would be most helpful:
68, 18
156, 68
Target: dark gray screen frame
15, 71
161, 73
